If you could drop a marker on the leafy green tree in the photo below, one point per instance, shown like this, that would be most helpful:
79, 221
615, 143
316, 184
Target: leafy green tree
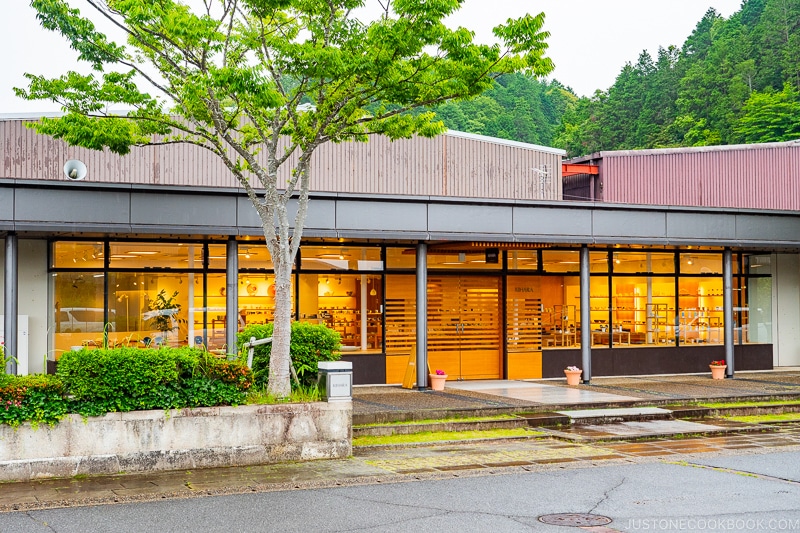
771, 116
241, 77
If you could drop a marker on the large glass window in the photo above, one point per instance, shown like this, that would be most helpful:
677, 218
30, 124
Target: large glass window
149, 255
401, 258
149, 309
340, 258
701, 263
79, 254
756, 317
561, 260
523, 260
560, 297
459, 260
79, 315
643, 262
351, 304
700, 311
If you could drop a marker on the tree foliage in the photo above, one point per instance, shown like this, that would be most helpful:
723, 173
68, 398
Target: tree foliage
236, 76
726, 84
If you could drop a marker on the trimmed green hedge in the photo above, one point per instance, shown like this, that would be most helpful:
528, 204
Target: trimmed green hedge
128, 379
95, 382
310, 344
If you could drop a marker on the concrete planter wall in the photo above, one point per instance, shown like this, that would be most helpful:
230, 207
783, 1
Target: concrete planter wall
188, 438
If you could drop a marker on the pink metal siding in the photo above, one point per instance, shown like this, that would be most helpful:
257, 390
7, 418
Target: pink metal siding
453, 164
765, 176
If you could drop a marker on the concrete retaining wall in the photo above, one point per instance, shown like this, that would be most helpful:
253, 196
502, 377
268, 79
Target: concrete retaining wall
188, 438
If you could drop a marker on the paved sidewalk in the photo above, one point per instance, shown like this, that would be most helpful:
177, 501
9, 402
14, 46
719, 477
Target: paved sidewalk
392, 403
544, 449
381, 465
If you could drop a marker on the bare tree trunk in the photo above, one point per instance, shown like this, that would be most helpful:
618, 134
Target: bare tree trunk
279, 384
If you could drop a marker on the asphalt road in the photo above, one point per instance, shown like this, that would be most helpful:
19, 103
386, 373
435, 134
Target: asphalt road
698, 493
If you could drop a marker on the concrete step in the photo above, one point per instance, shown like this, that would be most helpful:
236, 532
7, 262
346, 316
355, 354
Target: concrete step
450, 425
625, 421
652, 429
615, 415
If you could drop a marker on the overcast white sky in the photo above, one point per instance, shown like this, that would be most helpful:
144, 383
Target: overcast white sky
590, 39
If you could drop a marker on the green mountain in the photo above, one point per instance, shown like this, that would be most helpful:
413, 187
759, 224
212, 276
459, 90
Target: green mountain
734, 80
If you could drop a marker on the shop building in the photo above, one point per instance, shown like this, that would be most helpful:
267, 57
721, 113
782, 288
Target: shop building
504, 252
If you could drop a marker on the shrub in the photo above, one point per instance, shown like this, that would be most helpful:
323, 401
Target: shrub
38, 399
127, 379
310, 344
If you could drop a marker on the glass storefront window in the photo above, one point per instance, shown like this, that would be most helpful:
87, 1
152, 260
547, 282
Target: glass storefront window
78, 314
643, 263
78, 255
598, 262
405, 258
701, 314
701, 263
756, 317
758, 264
254, 256
340, 258
351, 304
643, 311
560, 296
561, 260
454, 260
217, 257
148, 255
149, 309
523, 260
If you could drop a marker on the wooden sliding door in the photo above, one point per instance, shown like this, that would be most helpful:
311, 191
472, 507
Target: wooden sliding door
465, 326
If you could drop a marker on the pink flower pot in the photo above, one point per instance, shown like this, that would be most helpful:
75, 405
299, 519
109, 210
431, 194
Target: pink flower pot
717, 371
573, 376
437, 381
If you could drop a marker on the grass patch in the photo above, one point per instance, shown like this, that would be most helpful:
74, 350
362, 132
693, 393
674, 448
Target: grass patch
724, 405
438, 436
759, 419
298, 395
439, 420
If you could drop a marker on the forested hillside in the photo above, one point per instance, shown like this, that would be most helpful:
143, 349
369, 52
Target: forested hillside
734, 80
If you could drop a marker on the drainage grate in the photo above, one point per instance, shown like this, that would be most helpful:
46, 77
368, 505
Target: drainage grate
575, 519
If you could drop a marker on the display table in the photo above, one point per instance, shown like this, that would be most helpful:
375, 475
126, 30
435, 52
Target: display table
617, 337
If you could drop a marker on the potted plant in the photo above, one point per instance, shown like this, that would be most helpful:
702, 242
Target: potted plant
163, 314
437, 379
573, 374
718, 369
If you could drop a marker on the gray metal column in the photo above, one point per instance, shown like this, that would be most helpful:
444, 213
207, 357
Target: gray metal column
422, 316
586, 321
11, 303
231, 294
727, 302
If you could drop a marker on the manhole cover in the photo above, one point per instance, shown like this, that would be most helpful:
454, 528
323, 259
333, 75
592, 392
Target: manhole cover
575, 519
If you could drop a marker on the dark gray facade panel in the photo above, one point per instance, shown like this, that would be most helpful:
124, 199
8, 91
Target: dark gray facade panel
183, 210
247, 214
381, 216
59, 205
769, 228
320, 214
381, 235
644, 224
711, 226
6, 204
488, 237
467, 218
210, 231
552, 221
